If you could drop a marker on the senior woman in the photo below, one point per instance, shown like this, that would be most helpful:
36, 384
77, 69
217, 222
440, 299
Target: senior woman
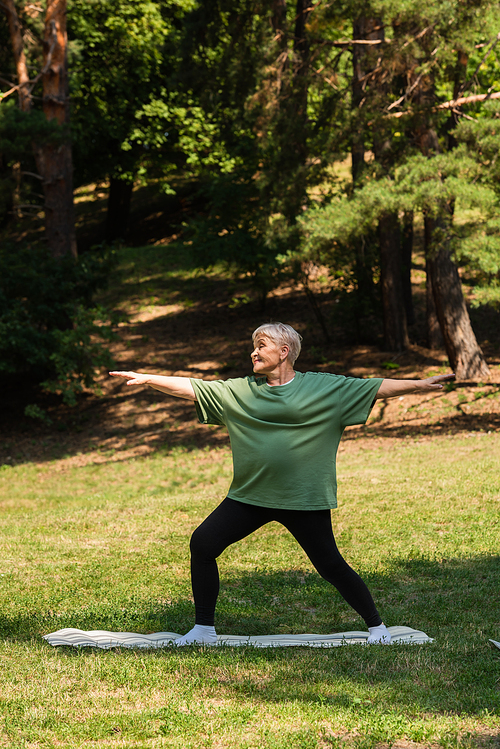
285, 427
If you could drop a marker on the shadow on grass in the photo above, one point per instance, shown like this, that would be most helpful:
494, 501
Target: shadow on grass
206, 334
109, 438
454, 601
435, 596
456, 424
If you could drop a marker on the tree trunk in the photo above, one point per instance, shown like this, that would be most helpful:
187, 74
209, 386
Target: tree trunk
279, 24
395, 330
17, 42
390, 244
434, 336
55, 160
301, 50
8, 202
358, 72
293, 104
286, 190
406, 259
464, 354
24, 93
459, 77
278, 18
362, 61
118, 214
313, 301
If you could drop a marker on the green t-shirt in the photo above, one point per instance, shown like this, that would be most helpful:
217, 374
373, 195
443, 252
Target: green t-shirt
284, 438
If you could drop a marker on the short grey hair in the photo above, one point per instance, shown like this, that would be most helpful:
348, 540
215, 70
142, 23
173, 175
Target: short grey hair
282, 335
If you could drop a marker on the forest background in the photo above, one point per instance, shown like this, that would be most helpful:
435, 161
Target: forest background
331, 150
172, 174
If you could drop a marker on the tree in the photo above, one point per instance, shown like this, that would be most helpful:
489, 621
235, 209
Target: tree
19, 54
480, 246
365, 30
55, 159
124, 107
253, 103
447, 301
50, 333
411, 62
254, 70
52, 154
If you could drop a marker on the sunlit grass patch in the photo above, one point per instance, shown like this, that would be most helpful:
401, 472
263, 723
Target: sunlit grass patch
106, 547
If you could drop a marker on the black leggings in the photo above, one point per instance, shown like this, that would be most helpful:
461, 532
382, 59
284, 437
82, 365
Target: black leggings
231, 521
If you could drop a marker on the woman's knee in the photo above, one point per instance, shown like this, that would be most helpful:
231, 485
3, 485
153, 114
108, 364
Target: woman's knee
203, 544
334, 570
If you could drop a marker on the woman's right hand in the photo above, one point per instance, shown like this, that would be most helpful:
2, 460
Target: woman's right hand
133, 378
179, 387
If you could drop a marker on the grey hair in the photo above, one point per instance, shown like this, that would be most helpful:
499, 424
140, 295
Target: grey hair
281, 335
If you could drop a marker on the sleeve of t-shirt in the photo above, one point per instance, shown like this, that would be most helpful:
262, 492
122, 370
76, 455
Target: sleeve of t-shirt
357, 397
209, 400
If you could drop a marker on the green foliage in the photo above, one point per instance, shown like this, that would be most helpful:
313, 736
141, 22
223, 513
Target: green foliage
119, 54
19, 132
436, 186
480, 250
272, 117
420, 183
49, 330
254, 110
238, 230
389, 365
175, 134
33, 411
454, 54
78, 352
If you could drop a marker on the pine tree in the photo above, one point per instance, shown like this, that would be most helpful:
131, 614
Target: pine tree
53, 154
415, 59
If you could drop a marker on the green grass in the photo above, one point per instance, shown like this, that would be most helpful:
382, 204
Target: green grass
106, 547
165, 275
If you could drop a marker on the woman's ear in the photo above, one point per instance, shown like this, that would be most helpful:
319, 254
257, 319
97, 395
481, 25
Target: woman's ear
284, 352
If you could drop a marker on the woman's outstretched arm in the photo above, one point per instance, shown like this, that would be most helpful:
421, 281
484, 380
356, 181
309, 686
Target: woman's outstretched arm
391, 388
180, 387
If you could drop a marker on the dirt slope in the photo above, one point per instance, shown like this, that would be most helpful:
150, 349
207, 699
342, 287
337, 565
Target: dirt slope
209, 336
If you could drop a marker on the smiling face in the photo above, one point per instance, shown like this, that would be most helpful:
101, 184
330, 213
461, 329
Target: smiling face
267, 357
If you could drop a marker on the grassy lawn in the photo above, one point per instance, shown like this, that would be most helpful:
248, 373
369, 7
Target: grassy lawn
105, 546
